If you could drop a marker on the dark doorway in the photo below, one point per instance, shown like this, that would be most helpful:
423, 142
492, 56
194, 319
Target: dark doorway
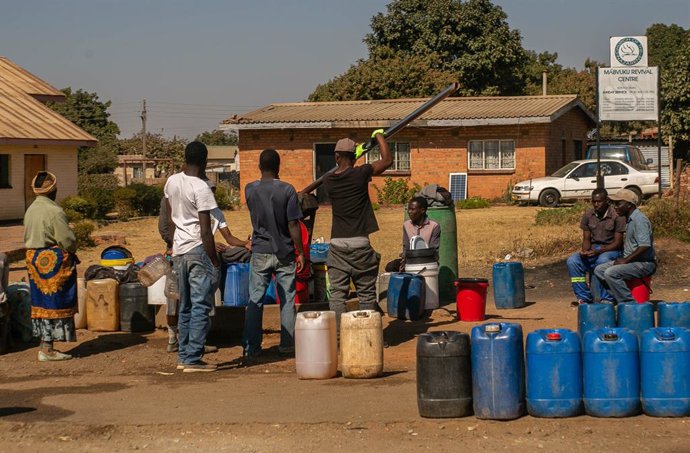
33, 163
325, 160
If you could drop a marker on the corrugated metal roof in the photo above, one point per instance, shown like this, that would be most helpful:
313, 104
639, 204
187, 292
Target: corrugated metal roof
24, 119
460, 111
26, 82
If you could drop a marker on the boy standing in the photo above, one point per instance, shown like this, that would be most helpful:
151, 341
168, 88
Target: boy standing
275, 218
190, 203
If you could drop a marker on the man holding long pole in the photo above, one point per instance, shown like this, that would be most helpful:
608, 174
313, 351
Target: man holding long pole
351, 254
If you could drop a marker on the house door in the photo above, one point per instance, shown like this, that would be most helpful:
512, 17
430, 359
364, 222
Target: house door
324, 157
33, 163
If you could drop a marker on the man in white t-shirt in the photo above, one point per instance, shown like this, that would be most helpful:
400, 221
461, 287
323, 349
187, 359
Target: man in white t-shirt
195, 259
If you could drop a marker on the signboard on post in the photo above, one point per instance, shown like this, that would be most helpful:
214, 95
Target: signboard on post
627, 94
628, 51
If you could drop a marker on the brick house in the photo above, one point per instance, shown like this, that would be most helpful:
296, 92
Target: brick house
475, 146
33, 138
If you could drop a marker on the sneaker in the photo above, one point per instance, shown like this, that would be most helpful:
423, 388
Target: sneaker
200, 367
575, 303
53, 356
173, 347
180, 366
210, 349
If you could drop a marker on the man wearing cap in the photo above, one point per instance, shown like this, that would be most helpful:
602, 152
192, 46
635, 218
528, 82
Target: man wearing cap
350, 254
51, 263
638, 260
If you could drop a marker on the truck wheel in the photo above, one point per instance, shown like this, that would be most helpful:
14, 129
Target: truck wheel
549, 198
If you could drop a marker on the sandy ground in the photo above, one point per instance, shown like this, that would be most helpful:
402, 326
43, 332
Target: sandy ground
122, 392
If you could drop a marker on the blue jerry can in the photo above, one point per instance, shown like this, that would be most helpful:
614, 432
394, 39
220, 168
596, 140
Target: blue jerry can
509, 285
674, 314
498, 371
554, 373
636, 317
406, 295
235, 285
611, 373
595, 316
665, 372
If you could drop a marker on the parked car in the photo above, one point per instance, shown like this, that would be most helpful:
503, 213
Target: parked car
578, 179
629, 154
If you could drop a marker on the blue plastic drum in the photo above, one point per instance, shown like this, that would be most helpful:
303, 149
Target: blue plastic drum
665, 372
554, 373
498, 371
674, 314
611, 373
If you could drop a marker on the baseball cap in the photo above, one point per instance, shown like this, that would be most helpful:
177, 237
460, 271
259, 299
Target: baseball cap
625, 195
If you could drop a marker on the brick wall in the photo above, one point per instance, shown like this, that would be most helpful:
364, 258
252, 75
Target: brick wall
434, 153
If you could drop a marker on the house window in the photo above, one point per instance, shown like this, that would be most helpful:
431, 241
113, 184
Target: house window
138, 172
5, 171
401, 156
491, 155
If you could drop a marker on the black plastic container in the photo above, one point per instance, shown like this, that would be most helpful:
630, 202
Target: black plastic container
136, 315
444, 375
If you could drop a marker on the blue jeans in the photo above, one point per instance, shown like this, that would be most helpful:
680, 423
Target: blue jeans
614, 276
579, 265
262, 268
197, 280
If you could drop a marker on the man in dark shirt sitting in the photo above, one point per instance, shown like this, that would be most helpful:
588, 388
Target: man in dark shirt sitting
350, 254
602, 241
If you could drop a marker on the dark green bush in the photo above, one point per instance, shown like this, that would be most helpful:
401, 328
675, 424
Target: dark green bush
227, 197
473, 203
396, 191
147, 199
125, 198
561, 216
668, 218
82, 231
78, 208
99, 189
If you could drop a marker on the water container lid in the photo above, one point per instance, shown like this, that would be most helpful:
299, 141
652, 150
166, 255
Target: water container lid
421, 253
610, 336
667, 335
493, 328
553, 336
471, 280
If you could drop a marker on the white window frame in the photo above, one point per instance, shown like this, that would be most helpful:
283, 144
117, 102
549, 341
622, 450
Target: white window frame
394, 147
500, 156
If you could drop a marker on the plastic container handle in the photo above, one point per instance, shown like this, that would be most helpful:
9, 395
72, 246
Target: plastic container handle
360, 314
312, 314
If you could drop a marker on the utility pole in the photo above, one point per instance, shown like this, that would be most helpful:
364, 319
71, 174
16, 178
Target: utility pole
143, 139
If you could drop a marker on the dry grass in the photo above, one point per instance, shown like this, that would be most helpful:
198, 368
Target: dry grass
484, 235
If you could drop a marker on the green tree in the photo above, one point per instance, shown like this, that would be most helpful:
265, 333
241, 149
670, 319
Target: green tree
217, 138
87, 111
157, 146
675, 82
665, 42
387, 76
469, 41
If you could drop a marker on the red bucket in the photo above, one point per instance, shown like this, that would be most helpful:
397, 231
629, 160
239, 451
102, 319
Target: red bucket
639, 287
470, 298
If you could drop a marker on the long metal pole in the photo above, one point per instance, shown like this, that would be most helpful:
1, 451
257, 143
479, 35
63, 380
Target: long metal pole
600, 179
658, 128
394, 129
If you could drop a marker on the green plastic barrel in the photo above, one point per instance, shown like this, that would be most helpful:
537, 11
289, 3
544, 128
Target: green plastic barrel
448, 250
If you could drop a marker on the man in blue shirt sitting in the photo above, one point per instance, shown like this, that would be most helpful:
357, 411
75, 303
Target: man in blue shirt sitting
638, 260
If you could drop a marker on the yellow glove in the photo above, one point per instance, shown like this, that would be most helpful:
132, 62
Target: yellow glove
359, 150
377, 131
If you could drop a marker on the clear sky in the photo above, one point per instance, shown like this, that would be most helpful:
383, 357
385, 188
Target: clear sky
197, 62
